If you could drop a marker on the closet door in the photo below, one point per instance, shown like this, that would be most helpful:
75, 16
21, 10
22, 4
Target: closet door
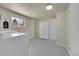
43, 29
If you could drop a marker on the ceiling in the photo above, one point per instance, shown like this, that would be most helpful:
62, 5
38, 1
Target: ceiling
35, 10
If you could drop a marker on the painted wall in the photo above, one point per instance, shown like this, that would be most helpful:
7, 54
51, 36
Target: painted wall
73, 29
62, 28
37, 29
6, 15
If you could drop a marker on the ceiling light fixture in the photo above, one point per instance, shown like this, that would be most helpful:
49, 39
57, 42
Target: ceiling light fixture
49, 7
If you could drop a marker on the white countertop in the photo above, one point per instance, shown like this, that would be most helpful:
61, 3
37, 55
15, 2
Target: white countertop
10, 34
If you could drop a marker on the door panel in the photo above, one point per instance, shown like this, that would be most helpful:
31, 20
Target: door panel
43, 29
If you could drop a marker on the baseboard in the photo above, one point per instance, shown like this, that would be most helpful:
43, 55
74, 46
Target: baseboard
52, 39
43, 39
62, 45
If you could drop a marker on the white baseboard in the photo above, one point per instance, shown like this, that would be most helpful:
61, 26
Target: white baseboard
62, 45
52, 39
43, 39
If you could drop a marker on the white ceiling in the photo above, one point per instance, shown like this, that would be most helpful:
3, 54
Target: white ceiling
35, 10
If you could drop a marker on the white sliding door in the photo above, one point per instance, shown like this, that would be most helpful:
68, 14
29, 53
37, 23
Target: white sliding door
52, 29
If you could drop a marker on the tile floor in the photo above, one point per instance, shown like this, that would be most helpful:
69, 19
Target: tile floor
39, 47
34, 47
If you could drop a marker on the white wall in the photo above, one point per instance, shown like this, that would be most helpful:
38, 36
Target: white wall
61, 28
36, 29
74, 29
6, 15
31, 28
